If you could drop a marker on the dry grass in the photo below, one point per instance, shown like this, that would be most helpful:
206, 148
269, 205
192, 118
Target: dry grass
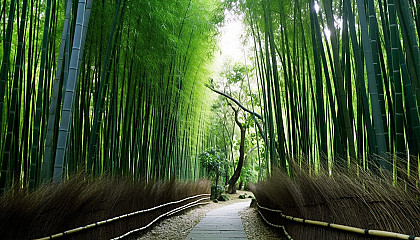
57, 208
361, 200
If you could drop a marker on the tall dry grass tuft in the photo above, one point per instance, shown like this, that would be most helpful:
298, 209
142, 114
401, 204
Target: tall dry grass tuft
354, 198
55, 208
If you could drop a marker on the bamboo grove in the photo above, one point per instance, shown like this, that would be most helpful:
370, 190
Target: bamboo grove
339, 81
119, 86
104, 87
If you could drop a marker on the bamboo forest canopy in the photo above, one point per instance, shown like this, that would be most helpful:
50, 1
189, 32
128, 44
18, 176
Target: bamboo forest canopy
113, 87
121, 87
338, 81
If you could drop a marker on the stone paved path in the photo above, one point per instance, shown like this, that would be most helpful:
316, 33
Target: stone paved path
220, 224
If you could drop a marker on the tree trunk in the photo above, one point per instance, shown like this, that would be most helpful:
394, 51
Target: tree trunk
237, 173
216, 193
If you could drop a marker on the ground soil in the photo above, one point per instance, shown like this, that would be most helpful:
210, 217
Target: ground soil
179, 226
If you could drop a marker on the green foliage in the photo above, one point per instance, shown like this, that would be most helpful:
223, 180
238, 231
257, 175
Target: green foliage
249, 175
235, 74
214, 161
333, 98
216, 191
149, 98
147, 94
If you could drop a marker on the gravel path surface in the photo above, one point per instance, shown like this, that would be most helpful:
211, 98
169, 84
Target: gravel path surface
179, 226
256, 228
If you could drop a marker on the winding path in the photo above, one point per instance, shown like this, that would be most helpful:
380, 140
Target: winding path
222, 223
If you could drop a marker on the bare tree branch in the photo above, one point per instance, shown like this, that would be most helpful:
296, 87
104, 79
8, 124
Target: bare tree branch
245, 109
237, 102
